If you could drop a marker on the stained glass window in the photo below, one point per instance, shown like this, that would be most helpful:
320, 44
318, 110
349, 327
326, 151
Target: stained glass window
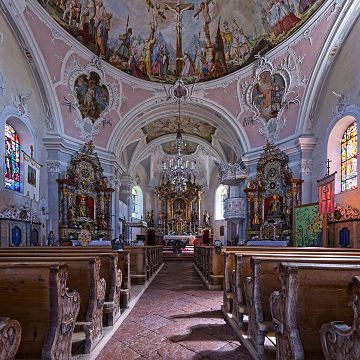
12, 159
349, 145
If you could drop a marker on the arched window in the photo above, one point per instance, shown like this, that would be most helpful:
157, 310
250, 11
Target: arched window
220, 196
12, 159
136, 202
349, 158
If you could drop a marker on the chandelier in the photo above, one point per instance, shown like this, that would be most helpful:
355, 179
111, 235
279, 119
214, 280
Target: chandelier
179, 173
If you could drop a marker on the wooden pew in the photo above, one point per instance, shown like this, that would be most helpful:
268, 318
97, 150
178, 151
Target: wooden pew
144, 262
234, 280
108, 270
123, 264
84, 276
310, 295
37, 294
264, 281
340, 340
10, 336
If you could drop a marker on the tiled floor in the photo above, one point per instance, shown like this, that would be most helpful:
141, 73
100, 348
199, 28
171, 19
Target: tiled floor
176, 319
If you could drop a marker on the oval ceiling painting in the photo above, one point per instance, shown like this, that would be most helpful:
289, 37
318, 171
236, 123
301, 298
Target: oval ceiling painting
198, 40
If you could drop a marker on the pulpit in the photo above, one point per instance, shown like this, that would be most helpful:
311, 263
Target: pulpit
85, 198
272, 197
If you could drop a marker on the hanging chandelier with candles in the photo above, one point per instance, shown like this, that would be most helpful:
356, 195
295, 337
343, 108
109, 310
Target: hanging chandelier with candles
177, 172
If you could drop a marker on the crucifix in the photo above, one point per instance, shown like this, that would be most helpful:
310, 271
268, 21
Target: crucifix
328, 161
179, 9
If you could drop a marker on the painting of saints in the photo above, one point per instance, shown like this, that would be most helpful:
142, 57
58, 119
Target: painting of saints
93, 98
31, 176
268, 94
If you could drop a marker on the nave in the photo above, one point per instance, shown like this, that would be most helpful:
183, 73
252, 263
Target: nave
176, 318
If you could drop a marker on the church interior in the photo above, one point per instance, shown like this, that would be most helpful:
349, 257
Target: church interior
180, 179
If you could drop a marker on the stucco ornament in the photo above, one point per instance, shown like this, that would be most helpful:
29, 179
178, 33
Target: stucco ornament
2, 84
91, 96
269, 94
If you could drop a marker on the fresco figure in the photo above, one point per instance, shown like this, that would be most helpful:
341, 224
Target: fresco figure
156, 14
72, 11
285, 16
123, 48
87, 21
179, 9
228, 40
304, 5
240, 43
188, 69
160, 62
102, 26
204, 11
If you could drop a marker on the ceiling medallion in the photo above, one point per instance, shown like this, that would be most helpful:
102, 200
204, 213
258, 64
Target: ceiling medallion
268, 96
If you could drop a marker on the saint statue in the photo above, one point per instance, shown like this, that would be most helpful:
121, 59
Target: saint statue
83, 207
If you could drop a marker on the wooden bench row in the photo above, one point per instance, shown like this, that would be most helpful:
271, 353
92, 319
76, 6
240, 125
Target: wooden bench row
306, 288
34, 289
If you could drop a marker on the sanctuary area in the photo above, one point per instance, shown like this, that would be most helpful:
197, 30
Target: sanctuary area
179, 179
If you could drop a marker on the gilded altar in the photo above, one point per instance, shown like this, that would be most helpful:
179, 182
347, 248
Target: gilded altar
85, 198
272, 197
179, 210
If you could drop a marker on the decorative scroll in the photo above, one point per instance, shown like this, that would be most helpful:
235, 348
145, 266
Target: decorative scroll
338, 340
344, 213
10, 336
268, 96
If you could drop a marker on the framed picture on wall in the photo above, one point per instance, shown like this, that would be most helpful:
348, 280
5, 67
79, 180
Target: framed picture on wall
31, 176
308, 225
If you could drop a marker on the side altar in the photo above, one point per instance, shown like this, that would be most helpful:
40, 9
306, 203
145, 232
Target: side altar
85, 199
271, 199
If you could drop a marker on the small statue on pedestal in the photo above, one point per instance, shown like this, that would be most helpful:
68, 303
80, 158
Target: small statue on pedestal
206, 218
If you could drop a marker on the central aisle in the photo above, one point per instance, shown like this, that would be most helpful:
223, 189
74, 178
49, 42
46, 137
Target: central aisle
176, 319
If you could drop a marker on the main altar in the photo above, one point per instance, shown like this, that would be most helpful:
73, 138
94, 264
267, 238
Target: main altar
271, 199
179, 209
85, 199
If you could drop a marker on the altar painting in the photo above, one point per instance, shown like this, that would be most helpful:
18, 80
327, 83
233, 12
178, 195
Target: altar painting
197, 40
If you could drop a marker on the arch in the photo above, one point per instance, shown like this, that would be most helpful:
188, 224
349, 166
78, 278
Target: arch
335, 134
220, 195
16, 236
137, 202
341, 28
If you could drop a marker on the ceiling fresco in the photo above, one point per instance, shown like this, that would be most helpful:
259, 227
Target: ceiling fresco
188, 148
189, 126
199, 40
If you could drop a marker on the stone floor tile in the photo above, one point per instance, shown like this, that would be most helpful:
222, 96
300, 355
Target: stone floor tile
114, 349
176, 319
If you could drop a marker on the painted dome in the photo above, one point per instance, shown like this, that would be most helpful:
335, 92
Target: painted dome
200, 40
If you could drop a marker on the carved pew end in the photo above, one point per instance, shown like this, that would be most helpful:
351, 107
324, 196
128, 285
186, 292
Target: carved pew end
10, 336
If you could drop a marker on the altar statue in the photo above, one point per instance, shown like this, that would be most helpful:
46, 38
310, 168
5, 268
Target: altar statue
83, 207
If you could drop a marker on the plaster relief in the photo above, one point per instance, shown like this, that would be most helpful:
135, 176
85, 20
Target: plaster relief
91, 96
269, 93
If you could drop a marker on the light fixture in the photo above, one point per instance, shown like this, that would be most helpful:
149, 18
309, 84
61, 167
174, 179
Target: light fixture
179, 172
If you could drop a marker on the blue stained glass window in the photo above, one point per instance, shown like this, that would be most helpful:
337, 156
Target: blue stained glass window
12, 159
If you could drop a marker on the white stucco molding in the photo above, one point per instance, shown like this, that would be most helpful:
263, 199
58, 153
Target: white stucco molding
158, 107
345, 20
15, 13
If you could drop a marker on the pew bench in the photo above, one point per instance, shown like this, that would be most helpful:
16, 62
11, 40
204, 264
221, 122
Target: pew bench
264, 280
84, 276
309, 296
37, 294
340, 340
